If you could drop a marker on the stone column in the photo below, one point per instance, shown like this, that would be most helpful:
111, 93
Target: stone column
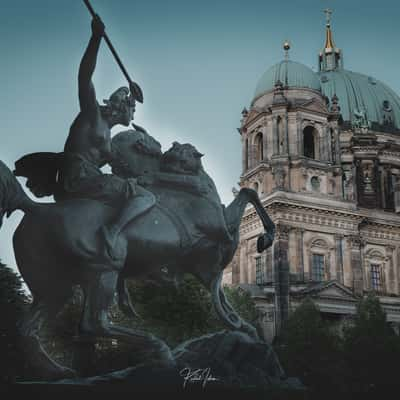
380, 193
236, 267
356, 264
251, 154
281, 271
338, 149
265, 142
292, 134
321, 142
275, 136
300, 142
398, 270
254, 159
391, 276
339, 258
300, 254
328, 141
245, 154
269, 267
397, 195
285, 147
328, 266
243, 261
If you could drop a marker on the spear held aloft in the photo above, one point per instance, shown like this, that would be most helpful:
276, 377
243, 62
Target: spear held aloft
134, 87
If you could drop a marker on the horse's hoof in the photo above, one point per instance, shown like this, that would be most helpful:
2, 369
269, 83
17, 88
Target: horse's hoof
68, 373
129, 311
263, 242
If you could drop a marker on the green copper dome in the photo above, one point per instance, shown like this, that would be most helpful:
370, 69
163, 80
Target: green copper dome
361, 93
291, 74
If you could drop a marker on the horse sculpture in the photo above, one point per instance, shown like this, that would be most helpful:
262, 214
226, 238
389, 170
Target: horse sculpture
56, 245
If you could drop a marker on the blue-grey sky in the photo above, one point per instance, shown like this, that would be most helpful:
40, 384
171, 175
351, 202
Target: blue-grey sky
197, 62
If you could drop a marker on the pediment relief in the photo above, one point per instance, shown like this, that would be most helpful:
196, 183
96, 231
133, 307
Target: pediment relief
319, 243
375, 254
330, 289
313, 105
318, 107
334, 291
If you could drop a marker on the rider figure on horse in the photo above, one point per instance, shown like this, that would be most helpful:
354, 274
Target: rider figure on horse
88, 148
76, 173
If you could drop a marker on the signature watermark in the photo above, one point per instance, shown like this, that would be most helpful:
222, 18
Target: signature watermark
198, 375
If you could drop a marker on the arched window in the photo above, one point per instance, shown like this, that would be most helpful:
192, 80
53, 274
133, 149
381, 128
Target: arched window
259, 147
375, 270
319, 260
318, 267
376, 276
309, 138
260, 266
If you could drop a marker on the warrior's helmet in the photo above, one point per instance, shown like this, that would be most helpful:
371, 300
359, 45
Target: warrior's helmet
120, 98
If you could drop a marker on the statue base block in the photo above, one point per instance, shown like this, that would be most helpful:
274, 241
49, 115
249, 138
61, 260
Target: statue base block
221, 361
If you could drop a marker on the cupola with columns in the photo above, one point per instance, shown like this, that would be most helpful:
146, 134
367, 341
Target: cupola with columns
299, 127
290, 134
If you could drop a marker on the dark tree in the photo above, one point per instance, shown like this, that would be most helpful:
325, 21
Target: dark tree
179, 313
309, 349
371, 348
13, 301
174, 314
243, 303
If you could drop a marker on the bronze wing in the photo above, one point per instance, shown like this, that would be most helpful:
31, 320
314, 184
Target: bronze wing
41, 170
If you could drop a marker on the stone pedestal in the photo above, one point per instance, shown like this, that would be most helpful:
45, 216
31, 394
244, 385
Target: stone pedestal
84, 355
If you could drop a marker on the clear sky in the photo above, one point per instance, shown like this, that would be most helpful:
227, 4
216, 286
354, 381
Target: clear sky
197, 62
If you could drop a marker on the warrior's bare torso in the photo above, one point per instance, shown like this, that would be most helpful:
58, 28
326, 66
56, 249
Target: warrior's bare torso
90, 138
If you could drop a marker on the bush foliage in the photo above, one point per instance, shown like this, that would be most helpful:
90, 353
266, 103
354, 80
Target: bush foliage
13, 302
360, 358
179, 313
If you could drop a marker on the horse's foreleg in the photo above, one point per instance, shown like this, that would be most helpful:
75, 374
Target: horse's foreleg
99, 289
226, 312
37, 357
124, 299
99, 293
265, 240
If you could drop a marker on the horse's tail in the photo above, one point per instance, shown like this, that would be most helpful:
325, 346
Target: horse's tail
12, 196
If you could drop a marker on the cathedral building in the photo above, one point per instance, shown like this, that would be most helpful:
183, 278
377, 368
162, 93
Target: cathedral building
322, 149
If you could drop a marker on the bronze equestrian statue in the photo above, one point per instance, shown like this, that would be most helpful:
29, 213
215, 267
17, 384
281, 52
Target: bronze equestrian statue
157, 216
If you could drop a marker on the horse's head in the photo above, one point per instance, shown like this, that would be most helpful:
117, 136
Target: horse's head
182, 158
135, 153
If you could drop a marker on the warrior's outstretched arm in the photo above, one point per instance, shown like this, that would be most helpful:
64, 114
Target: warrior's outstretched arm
87, 94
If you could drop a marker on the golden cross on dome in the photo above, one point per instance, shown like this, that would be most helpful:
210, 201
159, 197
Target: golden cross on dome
328, 13
329, 39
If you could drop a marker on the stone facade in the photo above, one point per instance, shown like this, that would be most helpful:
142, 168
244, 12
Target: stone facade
332, 187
